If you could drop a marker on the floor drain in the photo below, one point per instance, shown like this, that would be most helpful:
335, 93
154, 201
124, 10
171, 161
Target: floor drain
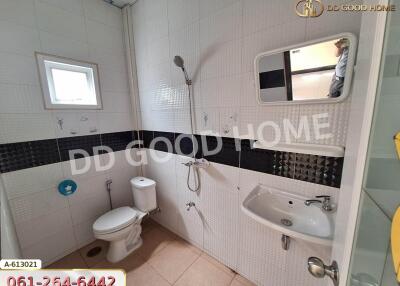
286, 222
94, 251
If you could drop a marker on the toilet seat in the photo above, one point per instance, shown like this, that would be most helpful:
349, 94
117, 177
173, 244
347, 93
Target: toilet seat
115, 220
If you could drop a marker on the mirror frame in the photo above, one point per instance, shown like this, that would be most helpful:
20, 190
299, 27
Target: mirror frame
349, 70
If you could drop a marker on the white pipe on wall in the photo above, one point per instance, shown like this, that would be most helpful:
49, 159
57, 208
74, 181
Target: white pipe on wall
131, 67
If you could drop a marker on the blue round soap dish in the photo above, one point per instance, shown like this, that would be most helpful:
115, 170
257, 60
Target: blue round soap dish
67, 187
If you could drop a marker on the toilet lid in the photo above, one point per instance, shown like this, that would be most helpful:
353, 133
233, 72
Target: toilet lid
115, 220
142, 183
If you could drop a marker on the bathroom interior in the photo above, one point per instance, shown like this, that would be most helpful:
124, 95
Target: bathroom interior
202, 142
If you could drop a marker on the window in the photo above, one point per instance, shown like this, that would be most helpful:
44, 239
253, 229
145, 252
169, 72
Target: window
69, 84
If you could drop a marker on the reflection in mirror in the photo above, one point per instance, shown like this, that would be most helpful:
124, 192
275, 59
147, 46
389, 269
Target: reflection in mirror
309, 72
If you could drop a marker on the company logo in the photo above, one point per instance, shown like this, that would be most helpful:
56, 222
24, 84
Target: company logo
309, 8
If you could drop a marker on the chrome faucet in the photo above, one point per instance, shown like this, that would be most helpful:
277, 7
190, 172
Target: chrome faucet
326, 203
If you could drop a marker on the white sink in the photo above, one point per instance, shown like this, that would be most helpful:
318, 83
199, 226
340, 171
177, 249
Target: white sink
288, 214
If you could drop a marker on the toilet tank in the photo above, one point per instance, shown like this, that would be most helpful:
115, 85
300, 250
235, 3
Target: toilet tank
144, 193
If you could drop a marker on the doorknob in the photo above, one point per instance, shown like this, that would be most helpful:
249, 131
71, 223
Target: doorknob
318, 269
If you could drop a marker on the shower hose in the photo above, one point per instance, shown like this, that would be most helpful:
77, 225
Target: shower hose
192, 165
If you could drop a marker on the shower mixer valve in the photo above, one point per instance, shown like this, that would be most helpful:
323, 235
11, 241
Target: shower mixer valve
194, 166
198, 163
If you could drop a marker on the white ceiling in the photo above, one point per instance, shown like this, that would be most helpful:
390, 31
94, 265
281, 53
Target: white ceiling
121, 3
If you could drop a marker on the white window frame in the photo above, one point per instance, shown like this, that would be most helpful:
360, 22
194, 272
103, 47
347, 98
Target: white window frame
46, 79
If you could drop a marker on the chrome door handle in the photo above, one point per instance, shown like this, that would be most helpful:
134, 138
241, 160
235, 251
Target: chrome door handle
318, 269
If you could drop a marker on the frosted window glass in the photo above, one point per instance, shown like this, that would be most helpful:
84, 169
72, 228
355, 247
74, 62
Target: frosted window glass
72, 87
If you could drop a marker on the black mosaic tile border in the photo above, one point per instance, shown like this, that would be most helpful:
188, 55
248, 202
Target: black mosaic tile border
162, 141
255, 159
185, 144
310, 168
85, 143
17, 156
147, 136
228, 155
24, 155
318, 169
117, 141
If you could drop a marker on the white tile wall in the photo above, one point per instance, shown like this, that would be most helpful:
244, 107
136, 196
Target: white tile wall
190, 223
9, 241
220, 207
219, 41
76, 123
48, 224
19, 11
101, 12
218, 225
36, 205
59, 21
20, 99
32, 232
29, 181
55, 44
40, 212
52, 247
166, 187
89, 30
18, 69
18, 39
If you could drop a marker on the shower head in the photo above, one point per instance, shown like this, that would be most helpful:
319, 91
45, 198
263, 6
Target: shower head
181, 64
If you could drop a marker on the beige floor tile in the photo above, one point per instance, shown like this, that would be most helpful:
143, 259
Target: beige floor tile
74, 260
145, 275
205, 273
241, 281
129, 264
154, 241
174, 259
169, 260
91, 261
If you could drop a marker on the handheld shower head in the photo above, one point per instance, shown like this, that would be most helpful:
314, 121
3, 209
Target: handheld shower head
181, 64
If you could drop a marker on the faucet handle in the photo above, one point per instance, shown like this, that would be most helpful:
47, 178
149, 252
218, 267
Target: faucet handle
326, 204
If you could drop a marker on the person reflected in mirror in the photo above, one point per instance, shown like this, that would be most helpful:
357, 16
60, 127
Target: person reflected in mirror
342, 51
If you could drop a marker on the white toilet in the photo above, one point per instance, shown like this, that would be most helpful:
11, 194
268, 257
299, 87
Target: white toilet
121, 226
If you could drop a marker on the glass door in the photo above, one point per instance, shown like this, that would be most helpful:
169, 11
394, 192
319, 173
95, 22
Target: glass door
371, 263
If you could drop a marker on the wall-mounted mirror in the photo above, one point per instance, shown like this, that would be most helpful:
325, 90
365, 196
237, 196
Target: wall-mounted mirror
319, 70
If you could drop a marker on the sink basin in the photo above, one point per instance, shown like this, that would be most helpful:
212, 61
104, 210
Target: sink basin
288, 214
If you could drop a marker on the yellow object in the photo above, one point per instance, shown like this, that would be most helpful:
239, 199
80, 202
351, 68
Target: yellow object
395, 239
397, 143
